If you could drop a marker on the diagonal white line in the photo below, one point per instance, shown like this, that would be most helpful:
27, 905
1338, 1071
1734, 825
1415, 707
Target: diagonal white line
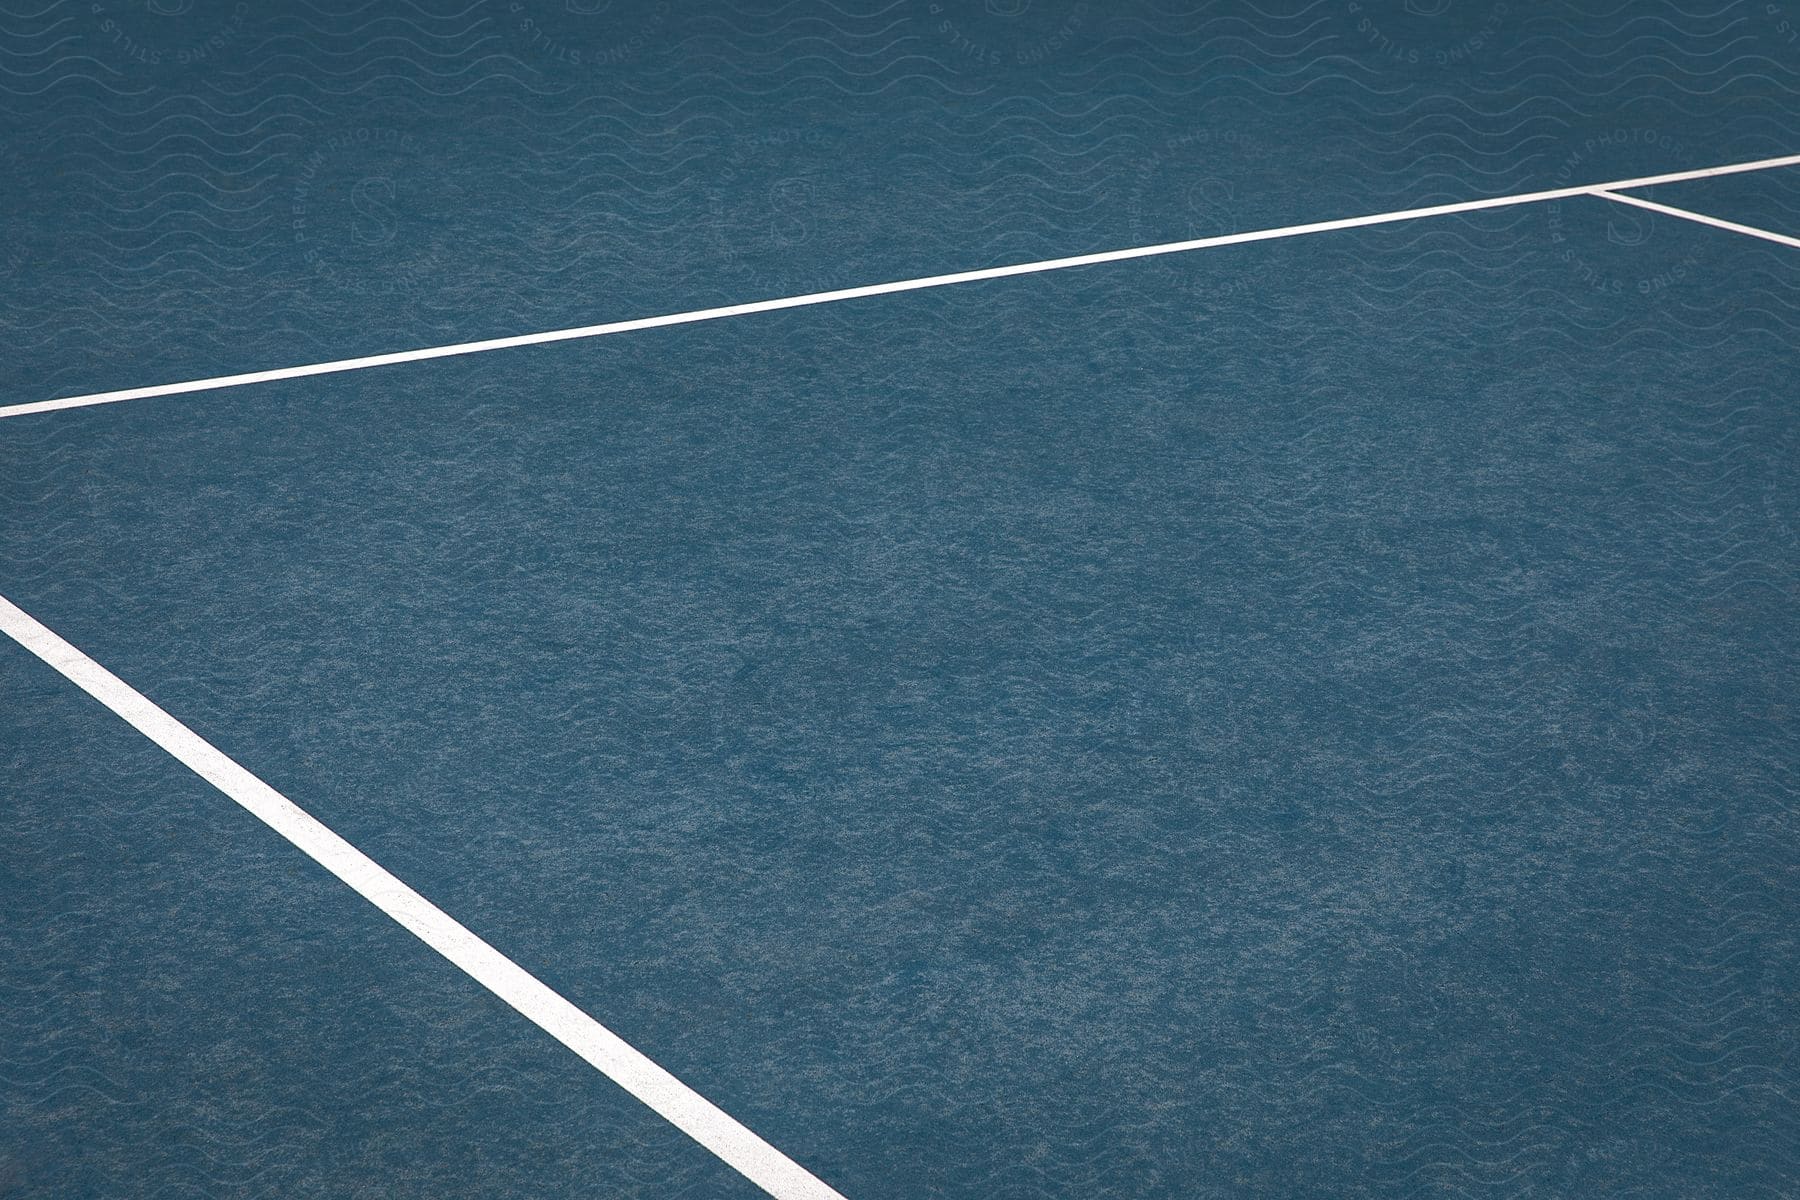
1780, 239
673, 1100
876, 289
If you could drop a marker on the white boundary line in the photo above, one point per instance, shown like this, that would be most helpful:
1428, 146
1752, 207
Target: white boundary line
878, 289
1780, 239
673, 1100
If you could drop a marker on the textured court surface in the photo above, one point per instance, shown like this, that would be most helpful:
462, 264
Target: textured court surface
1309, 718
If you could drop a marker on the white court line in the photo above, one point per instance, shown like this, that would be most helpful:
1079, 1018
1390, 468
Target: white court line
878, 289
1780, 239
672, 1099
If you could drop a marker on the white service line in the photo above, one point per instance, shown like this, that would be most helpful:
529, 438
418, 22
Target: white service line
1780, 239
877, 289
619, 1061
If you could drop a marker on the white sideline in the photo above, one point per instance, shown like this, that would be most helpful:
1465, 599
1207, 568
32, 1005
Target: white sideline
878, 289
677, 1103
1780, 239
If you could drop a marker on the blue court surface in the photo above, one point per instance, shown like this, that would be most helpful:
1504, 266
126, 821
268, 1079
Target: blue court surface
1301, 715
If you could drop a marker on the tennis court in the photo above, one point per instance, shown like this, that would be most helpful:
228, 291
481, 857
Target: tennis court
899, 600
